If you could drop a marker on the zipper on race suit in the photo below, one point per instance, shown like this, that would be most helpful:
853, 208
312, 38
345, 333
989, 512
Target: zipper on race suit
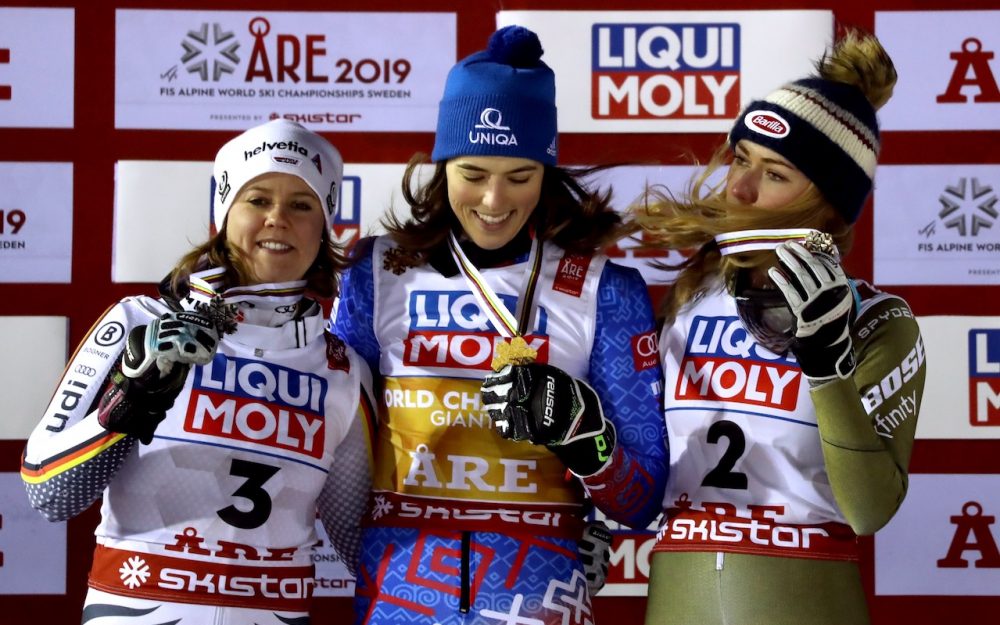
465, 598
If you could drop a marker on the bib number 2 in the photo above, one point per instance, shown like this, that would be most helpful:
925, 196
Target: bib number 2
723, 475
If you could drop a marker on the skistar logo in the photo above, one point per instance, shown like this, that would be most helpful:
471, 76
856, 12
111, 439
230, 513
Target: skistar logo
256, 402
722, 362
660, 71
972, 70
447, 329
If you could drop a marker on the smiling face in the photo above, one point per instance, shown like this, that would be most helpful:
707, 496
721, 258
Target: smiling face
763, 178
278, 221
493, 196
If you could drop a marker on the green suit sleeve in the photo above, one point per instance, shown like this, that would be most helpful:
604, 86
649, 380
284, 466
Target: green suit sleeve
867, 423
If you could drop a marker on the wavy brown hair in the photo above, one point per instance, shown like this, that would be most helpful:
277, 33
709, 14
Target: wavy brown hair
569, 213
692, 221
322, 278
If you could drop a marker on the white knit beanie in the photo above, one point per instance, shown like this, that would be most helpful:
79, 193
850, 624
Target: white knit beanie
281, 146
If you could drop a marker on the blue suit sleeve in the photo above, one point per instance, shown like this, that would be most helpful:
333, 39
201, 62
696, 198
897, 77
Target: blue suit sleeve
625, 374
353, 318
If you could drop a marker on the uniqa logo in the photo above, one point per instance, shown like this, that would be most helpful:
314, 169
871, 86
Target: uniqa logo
766, 123
491, 119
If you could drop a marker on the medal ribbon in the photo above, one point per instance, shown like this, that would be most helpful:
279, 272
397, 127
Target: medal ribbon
752, 240
204, 285
489, 302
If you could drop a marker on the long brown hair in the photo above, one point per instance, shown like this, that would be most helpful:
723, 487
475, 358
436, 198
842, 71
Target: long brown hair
569, 213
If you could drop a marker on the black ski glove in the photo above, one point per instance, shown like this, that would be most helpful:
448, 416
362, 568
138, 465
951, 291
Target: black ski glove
546, 406
152, 371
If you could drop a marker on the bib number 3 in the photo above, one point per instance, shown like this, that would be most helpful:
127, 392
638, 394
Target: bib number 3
253, 491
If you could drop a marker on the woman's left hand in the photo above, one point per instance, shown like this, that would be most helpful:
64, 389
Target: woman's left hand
547, 406
816, 290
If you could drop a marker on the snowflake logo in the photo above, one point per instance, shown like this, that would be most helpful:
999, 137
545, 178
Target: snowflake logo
134, 572
199, 52
968, 206
381, 508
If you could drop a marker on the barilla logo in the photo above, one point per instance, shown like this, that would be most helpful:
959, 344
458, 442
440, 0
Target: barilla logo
984, 377
448, 329
722, 362
571, 274
665, 71
255, 402
290, 146
767, 123
490, 129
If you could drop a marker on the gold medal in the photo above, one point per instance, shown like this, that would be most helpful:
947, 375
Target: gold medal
513, 352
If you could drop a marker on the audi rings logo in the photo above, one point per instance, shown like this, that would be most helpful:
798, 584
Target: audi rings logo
492, 119
85, 370
645, 354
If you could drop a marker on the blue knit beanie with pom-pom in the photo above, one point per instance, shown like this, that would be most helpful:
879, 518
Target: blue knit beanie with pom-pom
500, 101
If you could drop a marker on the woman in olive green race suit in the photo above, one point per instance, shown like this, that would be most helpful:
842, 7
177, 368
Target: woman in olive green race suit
791, 389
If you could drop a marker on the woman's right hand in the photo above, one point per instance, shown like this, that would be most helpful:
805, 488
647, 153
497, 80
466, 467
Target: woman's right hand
152, 371
182, 337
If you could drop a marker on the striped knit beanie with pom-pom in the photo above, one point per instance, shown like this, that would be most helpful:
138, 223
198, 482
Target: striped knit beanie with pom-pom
827, 129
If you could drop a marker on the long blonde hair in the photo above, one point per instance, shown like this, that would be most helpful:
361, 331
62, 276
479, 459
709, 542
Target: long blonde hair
690, 222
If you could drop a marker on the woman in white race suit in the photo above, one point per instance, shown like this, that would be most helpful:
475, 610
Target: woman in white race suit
217, 419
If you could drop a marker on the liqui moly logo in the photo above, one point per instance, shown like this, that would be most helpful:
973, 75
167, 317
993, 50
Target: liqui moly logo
448, 329
256, 402
722, 362
665, 71
984, 377
766, 123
